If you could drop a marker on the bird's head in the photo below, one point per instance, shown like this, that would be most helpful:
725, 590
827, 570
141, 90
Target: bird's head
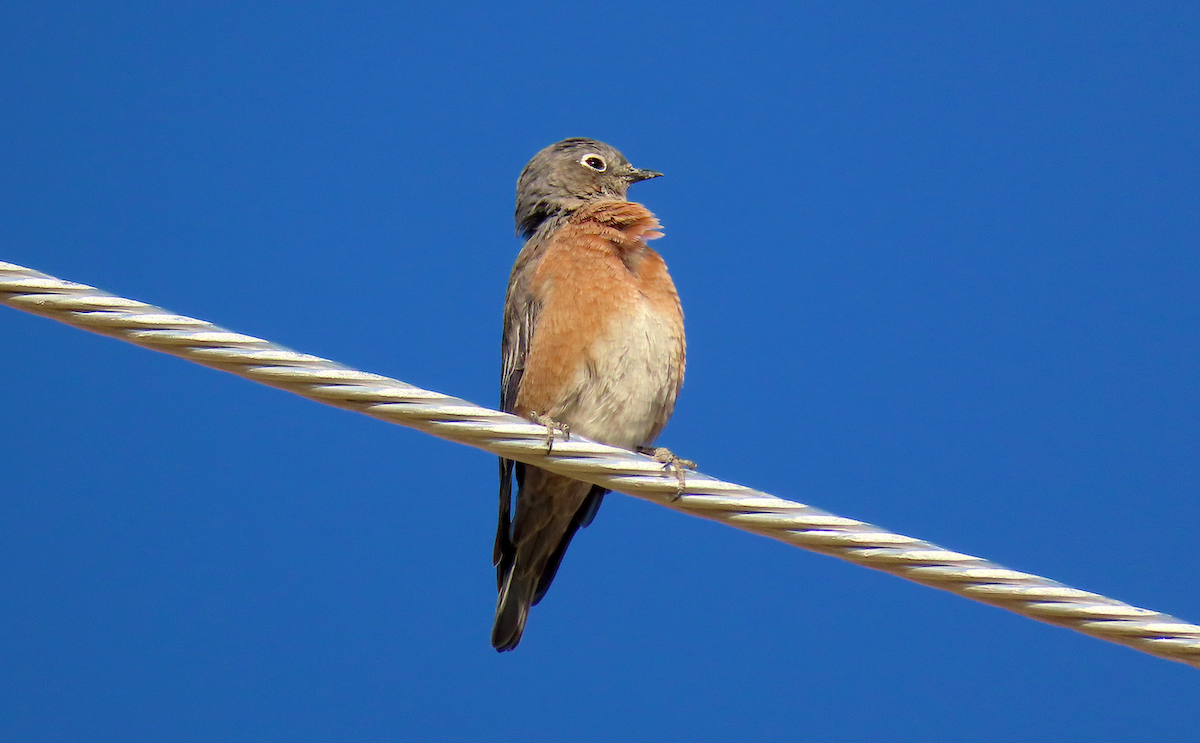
568, 174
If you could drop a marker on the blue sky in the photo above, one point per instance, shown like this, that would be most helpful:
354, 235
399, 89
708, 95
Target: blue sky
940, 271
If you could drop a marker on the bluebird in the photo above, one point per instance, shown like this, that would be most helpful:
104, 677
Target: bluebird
593, 344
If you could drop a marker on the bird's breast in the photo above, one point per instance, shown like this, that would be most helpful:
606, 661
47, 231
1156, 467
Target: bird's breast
607, 352
626, 391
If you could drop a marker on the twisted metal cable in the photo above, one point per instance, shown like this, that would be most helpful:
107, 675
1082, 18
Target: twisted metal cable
515, 438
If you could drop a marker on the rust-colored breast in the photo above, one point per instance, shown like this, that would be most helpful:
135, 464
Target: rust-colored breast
596, 270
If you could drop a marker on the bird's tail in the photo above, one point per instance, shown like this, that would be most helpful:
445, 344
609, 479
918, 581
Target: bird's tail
512, 608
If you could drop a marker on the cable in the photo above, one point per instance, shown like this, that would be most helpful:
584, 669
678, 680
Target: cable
515, 438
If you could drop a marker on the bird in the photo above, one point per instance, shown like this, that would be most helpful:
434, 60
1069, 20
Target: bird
593, 344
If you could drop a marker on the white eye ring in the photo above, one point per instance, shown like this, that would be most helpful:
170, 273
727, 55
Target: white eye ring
594, 161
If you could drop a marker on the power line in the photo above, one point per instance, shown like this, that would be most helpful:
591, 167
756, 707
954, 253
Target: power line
617, 469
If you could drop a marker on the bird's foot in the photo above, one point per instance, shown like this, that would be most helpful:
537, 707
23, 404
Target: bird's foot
668, 459
552, 427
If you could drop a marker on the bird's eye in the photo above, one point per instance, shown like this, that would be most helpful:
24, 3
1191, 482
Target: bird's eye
595, 162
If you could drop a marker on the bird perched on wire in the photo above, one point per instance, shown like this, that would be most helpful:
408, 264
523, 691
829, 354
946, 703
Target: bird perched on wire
593, 344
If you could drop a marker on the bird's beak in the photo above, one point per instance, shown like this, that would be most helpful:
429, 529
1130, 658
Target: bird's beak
637, 174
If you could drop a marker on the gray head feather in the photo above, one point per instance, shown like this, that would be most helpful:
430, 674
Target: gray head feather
568, 174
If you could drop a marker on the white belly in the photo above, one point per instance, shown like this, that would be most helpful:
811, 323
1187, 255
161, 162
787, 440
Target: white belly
626, 392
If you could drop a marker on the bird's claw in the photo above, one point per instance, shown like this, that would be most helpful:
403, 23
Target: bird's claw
668, 459
552, 427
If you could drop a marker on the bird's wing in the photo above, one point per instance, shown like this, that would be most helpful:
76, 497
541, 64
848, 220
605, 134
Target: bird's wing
520, 318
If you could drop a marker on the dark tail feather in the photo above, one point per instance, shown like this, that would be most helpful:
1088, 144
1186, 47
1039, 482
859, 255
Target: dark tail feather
512, 608
583, 517
587, 512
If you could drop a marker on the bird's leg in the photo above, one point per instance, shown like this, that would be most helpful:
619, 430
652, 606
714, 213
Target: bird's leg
668, 459
552, 427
